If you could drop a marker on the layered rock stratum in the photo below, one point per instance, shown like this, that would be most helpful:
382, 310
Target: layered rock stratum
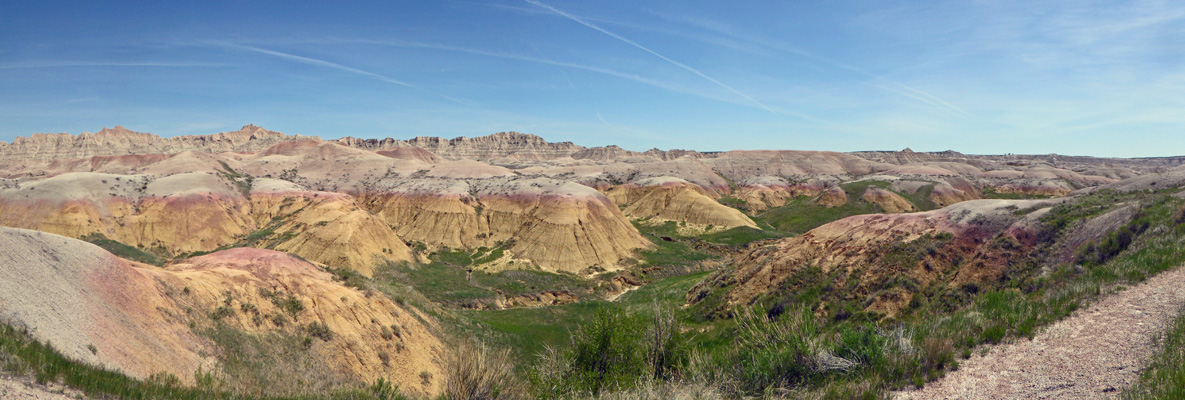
558, 206
254, 221
143, 320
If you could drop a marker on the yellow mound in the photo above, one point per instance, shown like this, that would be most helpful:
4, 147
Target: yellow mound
676, 200
364, 327
557, 226
144, 320
328, 228
888, 201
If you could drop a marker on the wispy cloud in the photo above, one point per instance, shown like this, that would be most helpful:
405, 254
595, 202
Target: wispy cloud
85, 64
340, 67
886, 84
921, 96
546, 61
603, 121
652, 52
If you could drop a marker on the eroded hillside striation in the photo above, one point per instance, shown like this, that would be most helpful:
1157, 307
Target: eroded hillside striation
143, 320
286, 264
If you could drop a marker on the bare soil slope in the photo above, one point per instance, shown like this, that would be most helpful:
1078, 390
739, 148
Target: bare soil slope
142, 320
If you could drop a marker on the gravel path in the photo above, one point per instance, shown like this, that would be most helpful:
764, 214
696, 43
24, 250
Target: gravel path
1095, 353
17, 388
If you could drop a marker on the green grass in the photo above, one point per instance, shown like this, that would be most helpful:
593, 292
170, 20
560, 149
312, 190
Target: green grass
989, 193
1164, 376
529, 330
22, 355
447, 280
122, 250
667, 252
520, 282
732, 202
740, 236
465, 258
802, 214
921, 198
442, 283
943, 322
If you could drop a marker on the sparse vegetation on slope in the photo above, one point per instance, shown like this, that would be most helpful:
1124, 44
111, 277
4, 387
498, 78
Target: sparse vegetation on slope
20, 354
943, 322
122, 250
1164, 377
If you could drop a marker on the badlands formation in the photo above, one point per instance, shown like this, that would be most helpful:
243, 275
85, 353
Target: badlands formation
259, 232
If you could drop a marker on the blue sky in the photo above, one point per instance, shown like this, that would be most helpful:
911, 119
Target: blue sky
1103, 78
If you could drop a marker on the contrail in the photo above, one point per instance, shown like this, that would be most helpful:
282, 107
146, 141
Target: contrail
539, 60
68, 64
932, 99
603, 121
328, 64
776, 45
644, 48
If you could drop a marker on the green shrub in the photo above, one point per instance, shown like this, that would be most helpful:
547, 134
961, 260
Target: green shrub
774, 352
606, 353
320, 331
861, 344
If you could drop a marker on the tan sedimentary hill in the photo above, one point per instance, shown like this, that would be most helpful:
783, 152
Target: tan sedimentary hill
231, 197
144, 320
868, 249
121, 141
73, 295
184, 212
609, 153
674, 199
887, 200
557, 225
602, 175
1167, 179
372, 337
1075, 163
198, 193
953, 190
833, 196
201, 211
513, 145
764, 192
740, 164
598, 167
329, 228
